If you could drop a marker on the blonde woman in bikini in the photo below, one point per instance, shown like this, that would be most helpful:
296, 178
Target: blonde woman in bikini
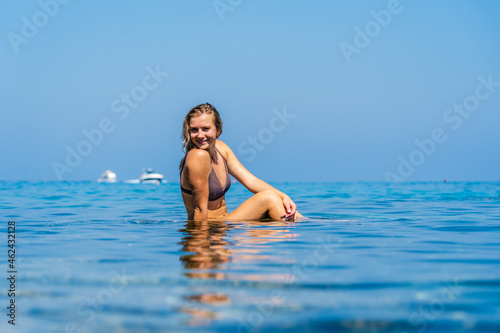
205, 171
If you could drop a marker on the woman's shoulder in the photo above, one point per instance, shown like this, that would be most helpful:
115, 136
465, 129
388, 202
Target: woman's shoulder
197, 155
220, 144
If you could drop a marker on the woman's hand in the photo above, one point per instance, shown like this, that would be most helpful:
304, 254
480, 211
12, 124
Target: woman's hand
290, 209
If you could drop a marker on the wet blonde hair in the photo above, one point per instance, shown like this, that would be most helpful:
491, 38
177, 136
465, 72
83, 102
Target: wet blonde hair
198, 110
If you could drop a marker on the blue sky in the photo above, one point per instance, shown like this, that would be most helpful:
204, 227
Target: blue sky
308, 91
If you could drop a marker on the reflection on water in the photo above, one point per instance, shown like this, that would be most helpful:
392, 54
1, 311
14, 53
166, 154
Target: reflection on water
207, 251
209, 246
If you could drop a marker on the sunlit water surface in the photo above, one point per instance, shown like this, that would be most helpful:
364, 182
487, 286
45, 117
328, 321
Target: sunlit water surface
374, 257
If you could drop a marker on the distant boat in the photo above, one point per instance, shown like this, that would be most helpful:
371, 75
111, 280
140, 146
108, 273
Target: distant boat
148, 176
107, 177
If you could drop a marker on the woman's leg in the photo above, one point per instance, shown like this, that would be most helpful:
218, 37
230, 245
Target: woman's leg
265, 204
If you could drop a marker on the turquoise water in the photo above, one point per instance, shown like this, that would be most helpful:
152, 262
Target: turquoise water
416, 257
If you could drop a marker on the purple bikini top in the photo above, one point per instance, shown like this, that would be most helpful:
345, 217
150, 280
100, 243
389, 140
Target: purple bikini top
215, 189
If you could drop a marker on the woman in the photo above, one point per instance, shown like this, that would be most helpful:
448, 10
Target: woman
205, 171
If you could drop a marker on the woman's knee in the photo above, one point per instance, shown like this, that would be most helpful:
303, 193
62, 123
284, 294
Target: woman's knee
269, 198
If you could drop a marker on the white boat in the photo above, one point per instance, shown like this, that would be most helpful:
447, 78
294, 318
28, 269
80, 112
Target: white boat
107, 177
148, 176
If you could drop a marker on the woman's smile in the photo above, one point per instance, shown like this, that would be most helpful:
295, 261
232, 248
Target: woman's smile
201, 142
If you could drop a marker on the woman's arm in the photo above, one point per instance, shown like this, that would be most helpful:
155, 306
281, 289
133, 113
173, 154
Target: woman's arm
252, 183
198, 167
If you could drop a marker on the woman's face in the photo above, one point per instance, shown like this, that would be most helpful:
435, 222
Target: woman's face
202, 131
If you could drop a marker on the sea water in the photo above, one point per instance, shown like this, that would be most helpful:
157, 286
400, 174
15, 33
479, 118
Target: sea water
373, 257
